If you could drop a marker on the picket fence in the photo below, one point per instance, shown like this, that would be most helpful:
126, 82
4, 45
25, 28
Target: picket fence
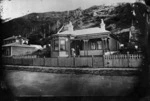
119, 60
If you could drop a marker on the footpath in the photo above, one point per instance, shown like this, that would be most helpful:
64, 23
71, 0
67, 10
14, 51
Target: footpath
73, 70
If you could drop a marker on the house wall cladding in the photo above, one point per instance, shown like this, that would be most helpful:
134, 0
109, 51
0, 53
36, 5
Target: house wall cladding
94, 62
22, 50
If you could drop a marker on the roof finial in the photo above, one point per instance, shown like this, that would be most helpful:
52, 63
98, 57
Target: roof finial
102, 25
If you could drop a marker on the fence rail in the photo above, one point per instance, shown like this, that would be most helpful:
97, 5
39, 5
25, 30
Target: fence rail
25, 56
128, 60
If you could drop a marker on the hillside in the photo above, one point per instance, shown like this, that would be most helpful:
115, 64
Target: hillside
39, 26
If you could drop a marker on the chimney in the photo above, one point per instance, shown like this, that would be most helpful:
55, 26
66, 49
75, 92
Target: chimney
102, 25
21, 41
70, 26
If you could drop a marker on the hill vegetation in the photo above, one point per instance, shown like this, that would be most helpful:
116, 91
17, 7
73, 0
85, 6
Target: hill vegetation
38, 27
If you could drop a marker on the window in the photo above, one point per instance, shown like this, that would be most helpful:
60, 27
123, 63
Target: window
93, 46
56, 45
8, 51
99, 44
62, 45
17, 40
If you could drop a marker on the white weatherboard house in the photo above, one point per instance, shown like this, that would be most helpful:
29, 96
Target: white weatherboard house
85, 42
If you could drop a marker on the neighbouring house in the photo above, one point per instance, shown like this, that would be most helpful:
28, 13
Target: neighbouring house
17, 45
15, 49
85, 42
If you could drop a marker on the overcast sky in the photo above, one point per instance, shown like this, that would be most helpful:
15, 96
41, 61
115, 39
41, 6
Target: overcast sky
16, 8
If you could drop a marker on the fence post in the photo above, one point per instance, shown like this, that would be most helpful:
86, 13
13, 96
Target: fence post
44, 61
73, 61
128, 58
104, 61
92, 61
57, 61
21, 60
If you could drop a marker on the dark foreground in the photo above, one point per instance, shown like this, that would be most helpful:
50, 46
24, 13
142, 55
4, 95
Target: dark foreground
51, 82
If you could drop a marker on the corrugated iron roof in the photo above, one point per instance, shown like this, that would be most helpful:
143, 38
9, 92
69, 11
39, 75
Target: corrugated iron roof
85, 31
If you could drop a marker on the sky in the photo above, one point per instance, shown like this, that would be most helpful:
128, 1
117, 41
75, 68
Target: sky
17, 8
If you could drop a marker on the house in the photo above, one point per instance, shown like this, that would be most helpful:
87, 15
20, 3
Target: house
17, 45
85, 42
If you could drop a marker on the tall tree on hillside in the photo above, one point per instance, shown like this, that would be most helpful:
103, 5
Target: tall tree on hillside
141, 15
58, 24
147, 43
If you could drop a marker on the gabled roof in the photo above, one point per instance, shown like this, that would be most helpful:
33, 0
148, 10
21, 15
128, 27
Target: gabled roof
17, 45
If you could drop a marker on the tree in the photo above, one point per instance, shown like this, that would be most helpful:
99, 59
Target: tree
142, 15
147, 3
